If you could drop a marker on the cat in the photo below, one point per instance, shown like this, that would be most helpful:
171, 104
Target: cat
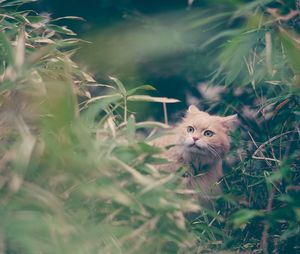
198, 144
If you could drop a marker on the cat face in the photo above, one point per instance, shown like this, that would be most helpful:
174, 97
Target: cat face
204, 135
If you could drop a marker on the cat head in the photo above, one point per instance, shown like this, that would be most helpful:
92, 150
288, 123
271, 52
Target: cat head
205, 135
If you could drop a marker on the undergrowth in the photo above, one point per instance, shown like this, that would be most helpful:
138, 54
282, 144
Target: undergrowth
77, 176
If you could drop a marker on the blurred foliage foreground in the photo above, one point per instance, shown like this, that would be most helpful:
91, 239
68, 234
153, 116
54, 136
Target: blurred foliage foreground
75, 178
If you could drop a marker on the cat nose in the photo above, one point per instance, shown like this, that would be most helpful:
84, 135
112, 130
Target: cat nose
195, 139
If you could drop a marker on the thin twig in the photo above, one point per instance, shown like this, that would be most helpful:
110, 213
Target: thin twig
259, 158
268, 142
265, 233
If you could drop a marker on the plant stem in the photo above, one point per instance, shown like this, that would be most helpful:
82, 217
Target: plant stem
125, 109
265, 234
165, 113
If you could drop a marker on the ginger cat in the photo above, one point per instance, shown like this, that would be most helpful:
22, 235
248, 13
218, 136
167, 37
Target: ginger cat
198, 144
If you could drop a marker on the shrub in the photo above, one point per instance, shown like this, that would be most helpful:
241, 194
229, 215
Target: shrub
77, 177
258, 64
71, 182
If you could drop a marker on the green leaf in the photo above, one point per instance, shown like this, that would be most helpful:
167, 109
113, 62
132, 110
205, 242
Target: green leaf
120, 85
148, 98
145, 148
131, 128
6, 50
36, 19
68, 17
7, 3
242, 216
207, 20
144, 87
235, 54
219, 36
248, 8
110, 97
61, 29
291, 49
137, 176
151, 124
98, 104
39, 53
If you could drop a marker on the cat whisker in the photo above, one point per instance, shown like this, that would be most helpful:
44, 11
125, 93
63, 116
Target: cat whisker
211, 151
217, 154
214, 151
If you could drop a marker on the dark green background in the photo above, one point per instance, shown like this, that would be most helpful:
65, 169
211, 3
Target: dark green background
175, 69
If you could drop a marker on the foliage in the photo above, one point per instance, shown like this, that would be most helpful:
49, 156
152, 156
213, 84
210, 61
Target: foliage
77, 174
75, 183
258, 62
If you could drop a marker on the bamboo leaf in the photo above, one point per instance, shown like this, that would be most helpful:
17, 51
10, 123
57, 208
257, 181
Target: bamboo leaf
6, 3
120, 85
208, 20
61, 29
148, 98
144, 87
36, 19
152, 124
68, 17
244, 215
98, 104
7, 51
141, 179
131, 128
292, 49
219, 36
248, 8
103, 97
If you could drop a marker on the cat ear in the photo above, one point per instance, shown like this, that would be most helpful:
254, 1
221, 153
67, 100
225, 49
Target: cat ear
230, 122
193, 109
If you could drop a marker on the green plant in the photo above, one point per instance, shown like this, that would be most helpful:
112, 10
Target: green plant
70, 182
76, 175
258, 65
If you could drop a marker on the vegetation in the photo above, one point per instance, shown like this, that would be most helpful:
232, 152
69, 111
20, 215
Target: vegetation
70, 183
77, 174
257, 63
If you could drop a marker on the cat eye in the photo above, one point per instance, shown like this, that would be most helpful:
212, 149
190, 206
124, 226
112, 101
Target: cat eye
190, 129
208, 133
